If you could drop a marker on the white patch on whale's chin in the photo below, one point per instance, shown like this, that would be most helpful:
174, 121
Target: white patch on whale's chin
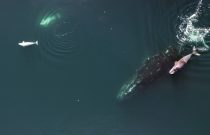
127, 90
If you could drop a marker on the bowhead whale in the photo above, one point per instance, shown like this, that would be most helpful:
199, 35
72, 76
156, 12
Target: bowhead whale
151, 69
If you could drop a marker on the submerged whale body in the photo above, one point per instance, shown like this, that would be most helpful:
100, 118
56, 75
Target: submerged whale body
151, 70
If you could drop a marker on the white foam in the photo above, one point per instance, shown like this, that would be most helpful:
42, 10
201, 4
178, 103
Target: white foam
188, 33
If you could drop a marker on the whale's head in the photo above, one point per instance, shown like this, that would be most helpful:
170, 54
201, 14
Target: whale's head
128, 89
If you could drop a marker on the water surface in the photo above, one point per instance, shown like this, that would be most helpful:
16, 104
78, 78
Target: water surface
68, 84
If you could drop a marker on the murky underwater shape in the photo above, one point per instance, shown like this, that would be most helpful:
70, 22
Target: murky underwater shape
49, 19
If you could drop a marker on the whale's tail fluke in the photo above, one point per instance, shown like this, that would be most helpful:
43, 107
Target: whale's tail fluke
194, 51
37, 42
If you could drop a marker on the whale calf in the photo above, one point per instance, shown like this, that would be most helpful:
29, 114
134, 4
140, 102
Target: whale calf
180, 64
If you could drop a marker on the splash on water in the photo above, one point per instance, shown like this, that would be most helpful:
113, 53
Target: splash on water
188, 33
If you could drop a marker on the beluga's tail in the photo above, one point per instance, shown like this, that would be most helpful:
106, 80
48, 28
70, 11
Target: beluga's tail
37, 42
194, 51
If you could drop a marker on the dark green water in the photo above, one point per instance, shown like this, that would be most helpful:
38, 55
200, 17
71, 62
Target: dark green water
68, 85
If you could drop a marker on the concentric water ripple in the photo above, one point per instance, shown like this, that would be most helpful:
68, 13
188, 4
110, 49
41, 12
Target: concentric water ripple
57, 30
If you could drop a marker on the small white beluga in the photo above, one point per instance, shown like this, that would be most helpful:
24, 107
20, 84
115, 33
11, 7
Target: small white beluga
26, 43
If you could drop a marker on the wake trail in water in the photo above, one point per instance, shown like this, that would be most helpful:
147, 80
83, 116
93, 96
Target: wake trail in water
189, 34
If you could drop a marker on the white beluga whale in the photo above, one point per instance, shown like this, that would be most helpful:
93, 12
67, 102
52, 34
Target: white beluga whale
28, 43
